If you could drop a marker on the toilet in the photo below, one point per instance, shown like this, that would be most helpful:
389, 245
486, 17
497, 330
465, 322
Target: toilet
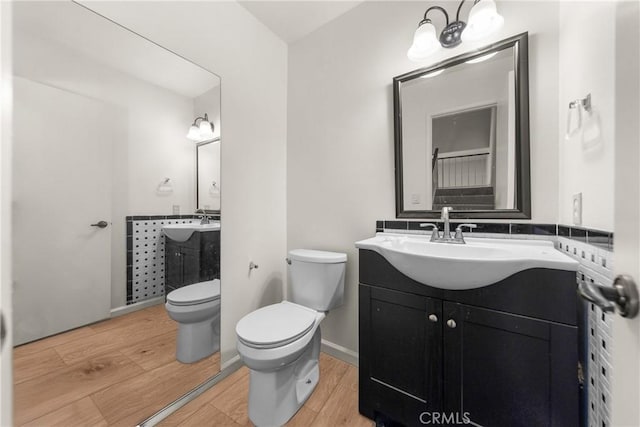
280, 343
196, 308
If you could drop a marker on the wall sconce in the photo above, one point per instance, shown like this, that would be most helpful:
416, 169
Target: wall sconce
483, 21
201, 132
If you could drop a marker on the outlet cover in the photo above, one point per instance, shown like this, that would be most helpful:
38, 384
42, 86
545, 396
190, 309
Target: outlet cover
577, 209
176, 209
415, 198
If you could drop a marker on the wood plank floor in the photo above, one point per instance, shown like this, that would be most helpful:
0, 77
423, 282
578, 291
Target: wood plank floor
334, 402
120, 371
112, 373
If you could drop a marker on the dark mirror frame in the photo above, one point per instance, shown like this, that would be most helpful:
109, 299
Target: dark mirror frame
198, 145
522, 210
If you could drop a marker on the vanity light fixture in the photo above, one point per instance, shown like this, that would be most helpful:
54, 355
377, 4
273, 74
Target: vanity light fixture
202, 131
484, 20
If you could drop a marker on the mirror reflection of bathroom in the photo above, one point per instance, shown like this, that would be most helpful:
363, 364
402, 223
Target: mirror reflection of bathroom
117, 274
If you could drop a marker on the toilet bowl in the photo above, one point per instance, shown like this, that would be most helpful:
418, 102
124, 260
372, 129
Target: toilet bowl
196, 308
280, 343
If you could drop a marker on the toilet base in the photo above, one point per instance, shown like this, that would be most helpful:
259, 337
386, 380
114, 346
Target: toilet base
276, 396
196, 341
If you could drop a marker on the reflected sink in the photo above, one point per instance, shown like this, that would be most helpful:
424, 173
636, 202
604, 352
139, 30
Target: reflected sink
182, 232
479, 262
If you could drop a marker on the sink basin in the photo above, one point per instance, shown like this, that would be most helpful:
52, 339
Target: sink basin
478, 263
182, 232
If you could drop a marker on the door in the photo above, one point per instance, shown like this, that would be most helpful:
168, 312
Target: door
61, 186
505, 370
405, 342
6, 382
626, 332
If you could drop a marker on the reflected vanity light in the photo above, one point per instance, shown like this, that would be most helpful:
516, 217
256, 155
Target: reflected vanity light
432, 74
484, 20
202, 131
481, 58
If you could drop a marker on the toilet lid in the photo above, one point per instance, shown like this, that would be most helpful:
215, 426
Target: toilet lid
196, 293
275, 325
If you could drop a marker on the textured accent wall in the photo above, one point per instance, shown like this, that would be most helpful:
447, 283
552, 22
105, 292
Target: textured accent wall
596, 265
145, 255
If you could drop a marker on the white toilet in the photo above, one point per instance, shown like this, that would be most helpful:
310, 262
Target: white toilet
280, 343
196, 308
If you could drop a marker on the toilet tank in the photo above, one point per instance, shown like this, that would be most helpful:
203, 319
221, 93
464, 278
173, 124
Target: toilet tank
317, 278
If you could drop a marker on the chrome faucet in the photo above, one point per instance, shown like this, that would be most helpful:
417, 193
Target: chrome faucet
446, 233
204, 219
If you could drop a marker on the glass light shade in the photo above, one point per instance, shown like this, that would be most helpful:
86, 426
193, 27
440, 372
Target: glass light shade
194, 133
425, 42
484, 20
206, 130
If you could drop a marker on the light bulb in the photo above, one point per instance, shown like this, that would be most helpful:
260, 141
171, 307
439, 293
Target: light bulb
481, 58
484, 20
425, 42
194, 133
206, 130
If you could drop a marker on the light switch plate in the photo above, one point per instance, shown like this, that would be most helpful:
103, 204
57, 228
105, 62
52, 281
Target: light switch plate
577, 209
415, 198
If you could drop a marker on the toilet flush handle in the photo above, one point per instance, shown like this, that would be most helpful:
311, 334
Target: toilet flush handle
288, 261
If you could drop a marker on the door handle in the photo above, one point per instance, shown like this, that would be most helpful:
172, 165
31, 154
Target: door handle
100, 224
3, 331
623, 295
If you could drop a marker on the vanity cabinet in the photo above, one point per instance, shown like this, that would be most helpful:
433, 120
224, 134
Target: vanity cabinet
192, 261
502, 355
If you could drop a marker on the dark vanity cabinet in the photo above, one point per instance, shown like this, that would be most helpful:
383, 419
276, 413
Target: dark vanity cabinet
502, 355
192, 261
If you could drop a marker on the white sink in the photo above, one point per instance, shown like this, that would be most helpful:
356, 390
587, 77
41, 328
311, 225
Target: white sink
478, 263
182, 232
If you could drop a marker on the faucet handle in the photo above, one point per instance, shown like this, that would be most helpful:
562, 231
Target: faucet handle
434, 234
459, 229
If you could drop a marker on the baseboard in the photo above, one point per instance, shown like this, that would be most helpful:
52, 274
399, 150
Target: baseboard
340, 352
126, 309
232, 364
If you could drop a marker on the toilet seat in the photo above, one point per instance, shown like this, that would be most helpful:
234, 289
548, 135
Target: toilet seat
197, 293
275, 325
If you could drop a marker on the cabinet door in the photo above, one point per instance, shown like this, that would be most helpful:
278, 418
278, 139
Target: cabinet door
172, 266
210, 256
509, 370
190, 264
404, 350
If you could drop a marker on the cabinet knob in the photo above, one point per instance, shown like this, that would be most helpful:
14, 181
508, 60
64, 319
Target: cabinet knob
433, 318
451, 323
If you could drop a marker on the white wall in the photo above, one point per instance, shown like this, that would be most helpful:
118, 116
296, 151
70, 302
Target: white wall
6, 110
340, 128
151, 146
252, 63
587, 65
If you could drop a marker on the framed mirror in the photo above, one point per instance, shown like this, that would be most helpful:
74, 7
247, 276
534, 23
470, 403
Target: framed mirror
462, 135
208, 175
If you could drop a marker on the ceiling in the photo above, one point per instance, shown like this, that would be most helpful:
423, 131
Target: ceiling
87, 34
291, 20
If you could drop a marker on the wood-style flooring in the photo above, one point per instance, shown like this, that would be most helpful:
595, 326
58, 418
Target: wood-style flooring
334, 402
121, 371
113, 373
